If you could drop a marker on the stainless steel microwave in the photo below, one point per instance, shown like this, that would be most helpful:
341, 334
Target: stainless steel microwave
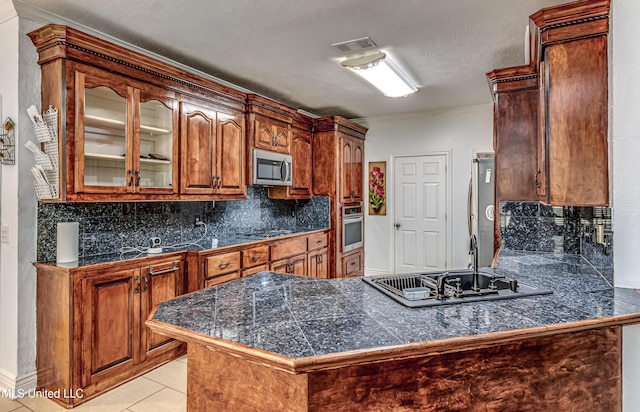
271, 168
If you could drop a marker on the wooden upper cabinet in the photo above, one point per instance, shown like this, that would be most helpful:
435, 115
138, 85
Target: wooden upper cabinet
515, 133
119, 123
125, 137
346, 150
199, 149
573, 128
358, 169
338, 146
550, 118
269, 124
576, 109
212, 152
352, 167
271, 134
301, 164
231, 154
301, 169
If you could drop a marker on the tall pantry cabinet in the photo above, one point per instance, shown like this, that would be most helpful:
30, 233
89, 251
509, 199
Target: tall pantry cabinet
338, 170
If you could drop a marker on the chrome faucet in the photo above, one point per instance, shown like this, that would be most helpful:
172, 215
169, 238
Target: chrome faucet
473, 250
441, 280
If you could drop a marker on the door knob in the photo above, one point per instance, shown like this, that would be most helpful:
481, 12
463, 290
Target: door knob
397, 225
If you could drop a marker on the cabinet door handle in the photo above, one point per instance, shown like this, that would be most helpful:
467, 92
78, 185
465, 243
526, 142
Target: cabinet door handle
255, 257
137, 280
137, 178
219, 182
224, 265
213, 180
146, 283
130, 177
536, 178
319, 258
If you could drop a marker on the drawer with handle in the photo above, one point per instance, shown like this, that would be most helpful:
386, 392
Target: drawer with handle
352, 265
255, 256
223, 263
289, 247
317, 241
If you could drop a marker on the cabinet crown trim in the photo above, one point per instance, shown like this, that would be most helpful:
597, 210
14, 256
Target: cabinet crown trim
571, 13
339, 123
572, 22
56, 41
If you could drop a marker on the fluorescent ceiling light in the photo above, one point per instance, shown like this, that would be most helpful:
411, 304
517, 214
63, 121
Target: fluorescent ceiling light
381, 72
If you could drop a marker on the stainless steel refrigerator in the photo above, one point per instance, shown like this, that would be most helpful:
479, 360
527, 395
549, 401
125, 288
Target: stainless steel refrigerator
481, 207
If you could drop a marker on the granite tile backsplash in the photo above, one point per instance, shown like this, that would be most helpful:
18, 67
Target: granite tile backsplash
532, 226
106, 227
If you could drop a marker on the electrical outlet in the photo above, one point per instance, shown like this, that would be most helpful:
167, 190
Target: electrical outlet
4, 234
196, 221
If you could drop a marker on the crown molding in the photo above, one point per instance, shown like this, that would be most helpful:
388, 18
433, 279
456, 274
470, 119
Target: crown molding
7, 10
44, 17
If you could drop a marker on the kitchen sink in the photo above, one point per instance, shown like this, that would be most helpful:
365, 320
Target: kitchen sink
450, 287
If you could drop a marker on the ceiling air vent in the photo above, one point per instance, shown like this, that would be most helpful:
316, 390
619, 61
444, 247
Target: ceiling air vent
356, 45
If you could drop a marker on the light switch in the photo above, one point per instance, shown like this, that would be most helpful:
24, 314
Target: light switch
4, 234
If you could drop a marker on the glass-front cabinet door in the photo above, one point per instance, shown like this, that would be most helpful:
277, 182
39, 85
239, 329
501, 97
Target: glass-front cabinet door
157, 149
104, 128
125, 137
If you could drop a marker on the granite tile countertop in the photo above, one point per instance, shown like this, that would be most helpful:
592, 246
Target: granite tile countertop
201, 245
301, 317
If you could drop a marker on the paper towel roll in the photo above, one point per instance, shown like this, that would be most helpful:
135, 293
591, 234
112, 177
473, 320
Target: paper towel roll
67, 242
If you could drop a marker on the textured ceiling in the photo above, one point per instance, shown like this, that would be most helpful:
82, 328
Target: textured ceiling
282, 48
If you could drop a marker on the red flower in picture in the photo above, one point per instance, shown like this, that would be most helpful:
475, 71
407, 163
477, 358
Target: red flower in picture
376, 188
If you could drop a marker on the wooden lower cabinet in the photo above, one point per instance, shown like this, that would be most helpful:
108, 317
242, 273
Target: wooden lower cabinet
318, 264
221, 268
295, 265
110, 323
302, 255
539, 371
352, 264
91, 332
162, 282
254, 256
217, 280
255, 269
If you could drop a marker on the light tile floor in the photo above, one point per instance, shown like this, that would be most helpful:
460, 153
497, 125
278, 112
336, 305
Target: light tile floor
162, 389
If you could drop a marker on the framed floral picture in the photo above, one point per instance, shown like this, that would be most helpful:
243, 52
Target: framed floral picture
377, 188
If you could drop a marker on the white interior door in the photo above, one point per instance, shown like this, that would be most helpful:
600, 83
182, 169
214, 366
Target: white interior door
420, 205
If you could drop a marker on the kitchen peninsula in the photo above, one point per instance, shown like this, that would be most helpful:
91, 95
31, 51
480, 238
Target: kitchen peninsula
279, 342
